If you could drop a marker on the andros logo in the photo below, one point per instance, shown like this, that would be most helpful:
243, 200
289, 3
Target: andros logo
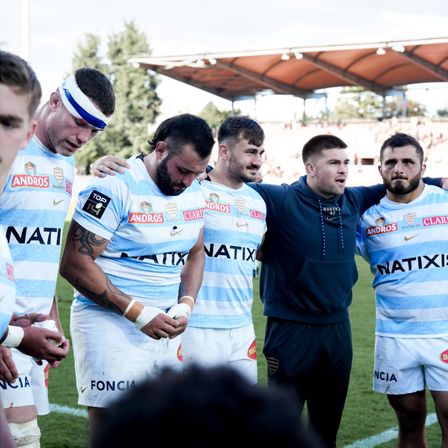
444, 356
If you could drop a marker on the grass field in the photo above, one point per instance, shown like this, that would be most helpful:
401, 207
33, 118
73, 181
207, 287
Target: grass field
366, 413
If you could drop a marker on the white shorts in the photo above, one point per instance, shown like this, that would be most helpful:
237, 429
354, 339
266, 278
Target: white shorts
235, 347
31, 388
112, 355
407, 365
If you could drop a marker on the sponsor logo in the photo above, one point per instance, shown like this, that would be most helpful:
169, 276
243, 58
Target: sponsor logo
112, 385
230, 252
34, 235
191, 215
9, 271
175, 231
217, 207
55, 202
19, 383
252, 350
435, 220
444, 357
213, 197
30, 168
46, 375
83, 389
257, 215
179, 353
24, 180
68, 187
408, 238
168, 258
96, 204
385, 376
146, 207
378, 230
413, 263
145, 218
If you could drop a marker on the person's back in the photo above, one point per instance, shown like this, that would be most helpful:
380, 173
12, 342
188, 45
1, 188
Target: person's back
201, 408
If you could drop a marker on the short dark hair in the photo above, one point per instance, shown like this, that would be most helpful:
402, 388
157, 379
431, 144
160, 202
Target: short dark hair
201, 407
185, 129
241, 127
318, 143
20, 77
97, 86
398, 140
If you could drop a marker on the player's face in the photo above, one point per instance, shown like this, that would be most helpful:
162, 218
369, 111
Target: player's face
177, 171
401, 169
16, 128
327, 172
244, 161
64, 133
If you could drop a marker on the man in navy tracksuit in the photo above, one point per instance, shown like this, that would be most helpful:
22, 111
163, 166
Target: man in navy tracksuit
308, 271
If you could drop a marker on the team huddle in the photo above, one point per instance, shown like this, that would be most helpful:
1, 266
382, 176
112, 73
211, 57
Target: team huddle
161, 258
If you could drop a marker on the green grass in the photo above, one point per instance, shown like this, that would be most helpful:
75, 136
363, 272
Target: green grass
366, 413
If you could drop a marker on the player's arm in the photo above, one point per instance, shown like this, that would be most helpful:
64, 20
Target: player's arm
78, 267
191, 281
108, 166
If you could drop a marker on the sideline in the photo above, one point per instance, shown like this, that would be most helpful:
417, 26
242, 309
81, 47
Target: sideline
370, 442
386, 436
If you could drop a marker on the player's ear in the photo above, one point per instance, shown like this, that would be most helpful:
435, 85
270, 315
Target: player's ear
29, 134
161, 150
310, 169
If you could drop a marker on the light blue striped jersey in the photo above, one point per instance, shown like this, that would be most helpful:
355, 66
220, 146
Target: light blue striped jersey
33, 208
407, 248
7, 284
150, 233
235, 221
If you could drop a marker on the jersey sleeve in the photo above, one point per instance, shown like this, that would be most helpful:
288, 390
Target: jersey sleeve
102, 205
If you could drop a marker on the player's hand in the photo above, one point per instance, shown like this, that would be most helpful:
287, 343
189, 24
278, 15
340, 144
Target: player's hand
182, 321
41, 343
28, 319
108, 166
65, 346
8, 370
161, 326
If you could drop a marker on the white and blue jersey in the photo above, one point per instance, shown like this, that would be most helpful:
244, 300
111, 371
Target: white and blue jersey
150, 233
407, 248
33, 208
7, 284
235, 221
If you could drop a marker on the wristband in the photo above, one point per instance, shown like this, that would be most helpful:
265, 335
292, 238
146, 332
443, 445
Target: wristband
182, 299
128, 308
133, 310
180, 309
14, 337
147, 314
